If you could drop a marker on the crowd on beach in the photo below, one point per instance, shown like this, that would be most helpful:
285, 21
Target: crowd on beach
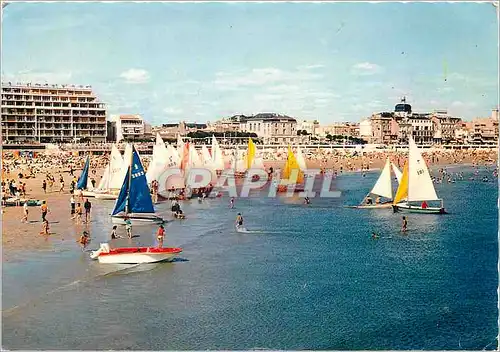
47, 176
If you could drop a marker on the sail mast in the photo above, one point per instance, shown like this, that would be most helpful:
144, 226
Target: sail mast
127, 205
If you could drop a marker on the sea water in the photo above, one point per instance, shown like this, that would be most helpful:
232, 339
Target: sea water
301, 277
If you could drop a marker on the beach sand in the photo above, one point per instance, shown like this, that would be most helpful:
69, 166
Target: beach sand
17, 236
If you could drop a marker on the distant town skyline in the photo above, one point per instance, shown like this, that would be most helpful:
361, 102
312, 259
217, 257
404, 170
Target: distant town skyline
200, 62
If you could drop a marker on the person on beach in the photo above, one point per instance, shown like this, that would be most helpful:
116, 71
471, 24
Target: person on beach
160, 234
307, 200
45, 227
128, 227
44, 209
84, 239
114, 236
78, 214
61, 185
44, 186
87, 205
404, 226
72, 202
25, 212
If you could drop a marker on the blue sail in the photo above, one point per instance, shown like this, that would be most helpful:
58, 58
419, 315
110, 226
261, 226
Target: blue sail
134, 196
121, 201
139, 200
82, 181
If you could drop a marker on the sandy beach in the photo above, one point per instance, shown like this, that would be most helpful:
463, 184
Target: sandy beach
26, 236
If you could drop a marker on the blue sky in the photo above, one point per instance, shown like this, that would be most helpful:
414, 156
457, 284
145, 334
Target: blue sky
203, 61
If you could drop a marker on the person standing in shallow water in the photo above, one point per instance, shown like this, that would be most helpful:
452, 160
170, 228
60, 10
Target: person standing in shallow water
87, 205
404, 226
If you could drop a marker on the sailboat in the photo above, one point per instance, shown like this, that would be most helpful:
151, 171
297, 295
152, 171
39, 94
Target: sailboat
84, 184
292, 174
217, 156
134, 201
112, 179
382, 188
416, 186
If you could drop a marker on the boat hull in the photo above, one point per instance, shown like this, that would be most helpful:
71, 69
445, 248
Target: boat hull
137, 219
106, 196
89, 194
416, 209
374, 206
137, 255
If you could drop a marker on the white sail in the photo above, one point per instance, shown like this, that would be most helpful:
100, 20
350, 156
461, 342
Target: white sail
120, 176
104, 183
159, 141
217, 157
383, 186
300, 159
172, 152
116, 164
194, 158
420, 186
397, 172
208, 164
159, 161
258, 163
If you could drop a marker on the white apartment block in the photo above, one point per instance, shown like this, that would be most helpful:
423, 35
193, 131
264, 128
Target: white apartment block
51, 113
131, 127
271, 127
309, 126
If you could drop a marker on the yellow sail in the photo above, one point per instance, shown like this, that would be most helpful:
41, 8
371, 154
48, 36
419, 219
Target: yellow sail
250, 153
402, 191
291, 172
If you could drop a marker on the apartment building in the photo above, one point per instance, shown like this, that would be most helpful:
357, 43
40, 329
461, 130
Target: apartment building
271, 127
484, 130
445, 126
51, 113
310, 127
131, 127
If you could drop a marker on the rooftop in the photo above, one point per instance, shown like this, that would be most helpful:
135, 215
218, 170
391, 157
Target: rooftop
45, 85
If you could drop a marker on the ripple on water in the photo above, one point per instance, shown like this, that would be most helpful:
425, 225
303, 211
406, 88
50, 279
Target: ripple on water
313, 279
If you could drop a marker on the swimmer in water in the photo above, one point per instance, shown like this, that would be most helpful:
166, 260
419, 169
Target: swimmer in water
375, 236
231, 203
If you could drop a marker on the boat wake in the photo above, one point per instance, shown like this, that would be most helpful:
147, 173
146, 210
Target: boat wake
118, 269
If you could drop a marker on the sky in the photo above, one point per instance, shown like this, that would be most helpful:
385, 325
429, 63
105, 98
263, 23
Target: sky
199, 62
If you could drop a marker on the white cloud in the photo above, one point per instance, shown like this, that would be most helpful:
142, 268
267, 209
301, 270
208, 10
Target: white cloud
310, 67
173, 111
366, 68
258, 77
135, 76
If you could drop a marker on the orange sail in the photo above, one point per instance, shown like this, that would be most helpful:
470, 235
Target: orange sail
402, 192
185, 156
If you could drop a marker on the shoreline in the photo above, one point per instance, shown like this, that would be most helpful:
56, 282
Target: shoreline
19, 236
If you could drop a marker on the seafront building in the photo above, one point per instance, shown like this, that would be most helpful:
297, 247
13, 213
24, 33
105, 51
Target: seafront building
437, 127
51, 113
272, 128
131, 127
